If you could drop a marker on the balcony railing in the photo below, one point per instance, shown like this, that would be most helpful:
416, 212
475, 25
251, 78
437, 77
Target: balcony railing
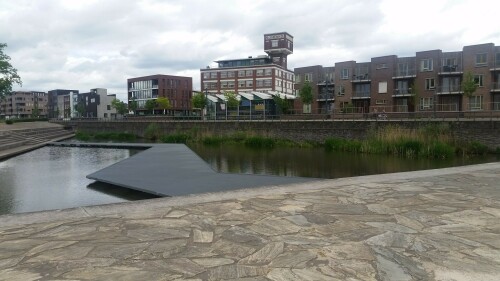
402, 92
405, 73
450, 69
361, 77
449, 89
495, 87
326, 96
361, 95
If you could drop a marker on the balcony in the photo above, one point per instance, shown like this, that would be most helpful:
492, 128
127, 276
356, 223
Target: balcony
450, 70
402, 92
361, 95
361, 78
449, 90
405, 74
326, 97
495, 87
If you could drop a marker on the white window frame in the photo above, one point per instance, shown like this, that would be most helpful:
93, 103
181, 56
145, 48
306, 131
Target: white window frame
430, 83
476, 103
274, 43
426, 65
308, 77
426, 103
344, 74
480, 57
341, 91
479, 80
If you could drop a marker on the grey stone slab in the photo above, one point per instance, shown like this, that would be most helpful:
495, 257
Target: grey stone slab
174, 169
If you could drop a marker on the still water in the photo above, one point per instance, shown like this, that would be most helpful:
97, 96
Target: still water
54, 178
318, 163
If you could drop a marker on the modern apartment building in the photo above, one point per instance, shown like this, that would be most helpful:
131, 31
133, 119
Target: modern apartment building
178, 89
94, 104
429, 81
60, 103
262, 74
21, 104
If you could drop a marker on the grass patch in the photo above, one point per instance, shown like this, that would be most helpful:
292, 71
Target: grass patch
85, 136
175, 138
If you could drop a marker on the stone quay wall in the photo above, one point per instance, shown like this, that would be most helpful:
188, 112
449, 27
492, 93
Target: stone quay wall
486, 132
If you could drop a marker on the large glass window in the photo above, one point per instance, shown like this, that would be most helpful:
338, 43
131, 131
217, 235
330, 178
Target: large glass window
481, 59
430, 83
426, 65
476, 103
344, 74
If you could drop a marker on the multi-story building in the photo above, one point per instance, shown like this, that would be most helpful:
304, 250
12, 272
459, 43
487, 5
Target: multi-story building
265, 75
24, 104
178, 89
322, 80
94, 104
429, 81
60, 103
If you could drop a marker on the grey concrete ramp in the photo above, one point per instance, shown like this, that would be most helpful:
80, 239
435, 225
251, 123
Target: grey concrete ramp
174, 169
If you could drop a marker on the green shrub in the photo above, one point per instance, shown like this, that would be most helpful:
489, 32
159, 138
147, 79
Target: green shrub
338, 144
260, 142
152, 132
439, 150
477, 148
83, 136
213, 140
9, 122
175, 138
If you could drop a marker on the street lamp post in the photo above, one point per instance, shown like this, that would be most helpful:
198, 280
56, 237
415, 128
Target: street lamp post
206, 103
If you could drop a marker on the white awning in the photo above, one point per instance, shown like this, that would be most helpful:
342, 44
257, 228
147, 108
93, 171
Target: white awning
282, 95
246, 95
212, 98
263, 96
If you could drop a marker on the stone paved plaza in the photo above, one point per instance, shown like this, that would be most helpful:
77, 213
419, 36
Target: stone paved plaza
426, 225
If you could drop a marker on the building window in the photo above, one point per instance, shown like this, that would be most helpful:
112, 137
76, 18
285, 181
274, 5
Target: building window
213, 74
382, 87
249, 73
381, 65
223, 74
341, 91
230, 74
268, 83
425, 103
230, 84
297, 78
476, 103
344, 74
426, 65
274, 43
260, 83
481, 59
108, 107
241, 84
308, 77
430, 84
260, 72
206, 75
268, 72
249, 83
241, 73
380, 101
224, 85
479, 80
276, 60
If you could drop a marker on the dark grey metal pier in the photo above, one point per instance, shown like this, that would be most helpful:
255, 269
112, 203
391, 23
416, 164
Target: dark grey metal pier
173, 170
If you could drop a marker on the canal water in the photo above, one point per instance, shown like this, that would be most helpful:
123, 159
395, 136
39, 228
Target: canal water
54, 177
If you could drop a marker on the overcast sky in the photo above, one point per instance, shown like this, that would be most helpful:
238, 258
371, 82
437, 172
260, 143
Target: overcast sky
99, 44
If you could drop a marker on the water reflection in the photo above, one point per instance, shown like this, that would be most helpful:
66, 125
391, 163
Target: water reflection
54, 178
317, 163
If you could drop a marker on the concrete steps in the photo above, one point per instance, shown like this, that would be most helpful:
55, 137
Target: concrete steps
17, 138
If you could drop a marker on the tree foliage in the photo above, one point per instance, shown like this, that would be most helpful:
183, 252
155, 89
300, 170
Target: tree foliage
199, 101
8, 74
282, 104
132, 105
306, 93
121, 107
150, 105
163, 103
469, 84
231, 99
80, 108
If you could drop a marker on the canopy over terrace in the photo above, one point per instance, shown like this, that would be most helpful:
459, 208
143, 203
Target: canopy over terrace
254, 104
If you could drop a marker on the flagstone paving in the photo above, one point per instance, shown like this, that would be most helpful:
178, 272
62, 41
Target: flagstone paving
426, 225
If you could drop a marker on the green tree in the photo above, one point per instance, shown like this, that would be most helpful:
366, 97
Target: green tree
36, 111
8, 74
414, 99
469, 85
199, 101
231, 99
306, 96
282, 105
80, 108
121, 107
163, 103
132, 105
150, 105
